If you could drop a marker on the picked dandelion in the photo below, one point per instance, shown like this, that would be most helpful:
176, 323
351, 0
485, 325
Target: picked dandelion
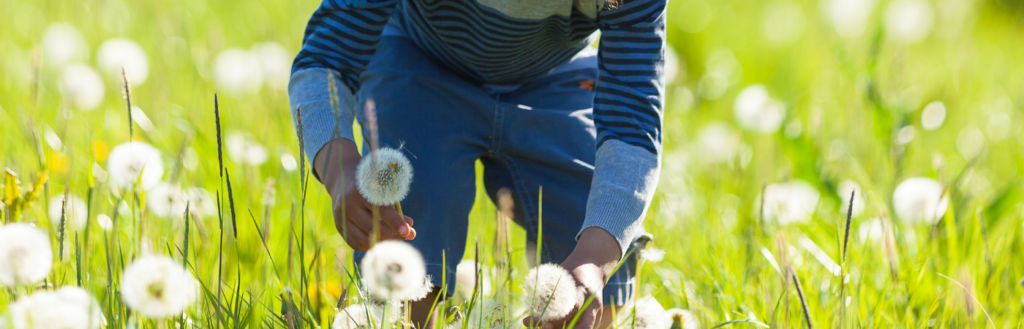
683, 319
358, 316
393, 270
65, 308
25, 255
551, 292
158, 287
649, 314
384, 177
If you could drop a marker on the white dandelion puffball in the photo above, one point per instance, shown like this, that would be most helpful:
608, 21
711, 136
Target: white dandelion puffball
104, 221
65, 308
166, 200
873, 230
756, 111
424, 289
718, 143
933, 115
384, 176
117, 53
75, 216
551, 292
650, 315
236, 71
652, 254
908, 21
683, 319
201, 202
844, 190
465, 279
393, 270
242, 148
850, 17
783, 22
128, 160
63, 44
919, 200
83, 86
288, 162
358, 316
25, 255
787, 202
158, 287
276, 63
671, 64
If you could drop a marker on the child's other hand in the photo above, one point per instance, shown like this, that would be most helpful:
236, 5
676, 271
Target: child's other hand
355, 223
590, 263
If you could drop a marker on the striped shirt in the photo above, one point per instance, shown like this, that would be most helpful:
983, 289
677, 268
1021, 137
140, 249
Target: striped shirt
506, 42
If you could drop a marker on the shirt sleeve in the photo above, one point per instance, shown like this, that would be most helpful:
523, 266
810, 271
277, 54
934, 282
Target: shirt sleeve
628, 111
340, 39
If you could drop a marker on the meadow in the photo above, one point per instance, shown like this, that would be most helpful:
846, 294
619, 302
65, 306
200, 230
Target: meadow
776, 111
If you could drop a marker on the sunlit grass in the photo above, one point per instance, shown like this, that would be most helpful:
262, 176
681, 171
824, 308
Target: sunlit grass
276, 260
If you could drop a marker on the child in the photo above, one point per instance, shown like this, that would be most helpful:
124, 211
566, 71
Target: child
514, 84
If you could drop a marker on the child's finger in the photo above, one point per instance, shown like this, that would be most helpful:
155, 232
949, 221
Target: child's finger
362, 216
394, 220
355, 237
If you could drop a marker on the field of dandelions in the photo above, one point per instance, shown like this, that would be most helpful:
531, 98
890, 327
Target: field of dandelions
168, 210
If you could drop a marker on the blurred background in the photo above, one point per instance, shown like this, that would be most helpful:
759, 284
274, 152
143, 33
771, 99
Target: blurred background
789, 103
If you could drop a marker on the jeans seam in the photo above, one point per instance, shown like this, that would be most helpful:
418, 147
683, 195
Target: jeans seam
497, 129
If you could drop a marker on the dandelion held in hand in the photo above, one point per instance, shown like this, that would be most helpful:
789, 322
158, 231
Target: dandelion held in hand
551, 292
157, 287
384, 177
25, 255
393, 270
67, 307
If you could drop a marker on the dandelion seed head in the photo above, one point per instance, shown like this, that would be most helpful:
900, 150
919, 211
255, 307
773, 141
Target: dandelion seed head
683, 319
83, 87
63, 44
465, 279
358, 316
75, 215
104, 221
158, 287
757, 111
238, 72
276, 63
393, 270
787, 202
652, 254
551, 291
201, 202
649, 314
64, 308
128, 160
388, 183
422, 291
118, 53
919, 200
166, 200
25, 255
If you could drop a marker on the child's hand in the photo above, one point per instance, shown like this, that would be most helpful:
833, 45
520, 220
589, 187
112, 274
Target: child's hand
355, 223
591, 263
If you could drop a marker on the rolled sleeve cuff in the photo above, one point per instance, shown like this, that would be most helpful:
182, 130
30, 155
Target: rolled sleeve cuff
625, 177
309, 93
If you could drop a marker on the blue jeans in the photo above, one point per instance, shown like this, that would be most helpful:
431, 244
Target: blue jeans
538, 133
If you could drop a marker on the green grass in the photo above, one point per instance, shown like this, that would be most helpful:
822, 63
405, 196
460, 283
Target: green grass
849, 96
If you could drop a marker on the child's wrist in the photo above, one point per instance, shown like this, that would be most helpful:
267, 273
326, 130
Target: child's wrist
598, 247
